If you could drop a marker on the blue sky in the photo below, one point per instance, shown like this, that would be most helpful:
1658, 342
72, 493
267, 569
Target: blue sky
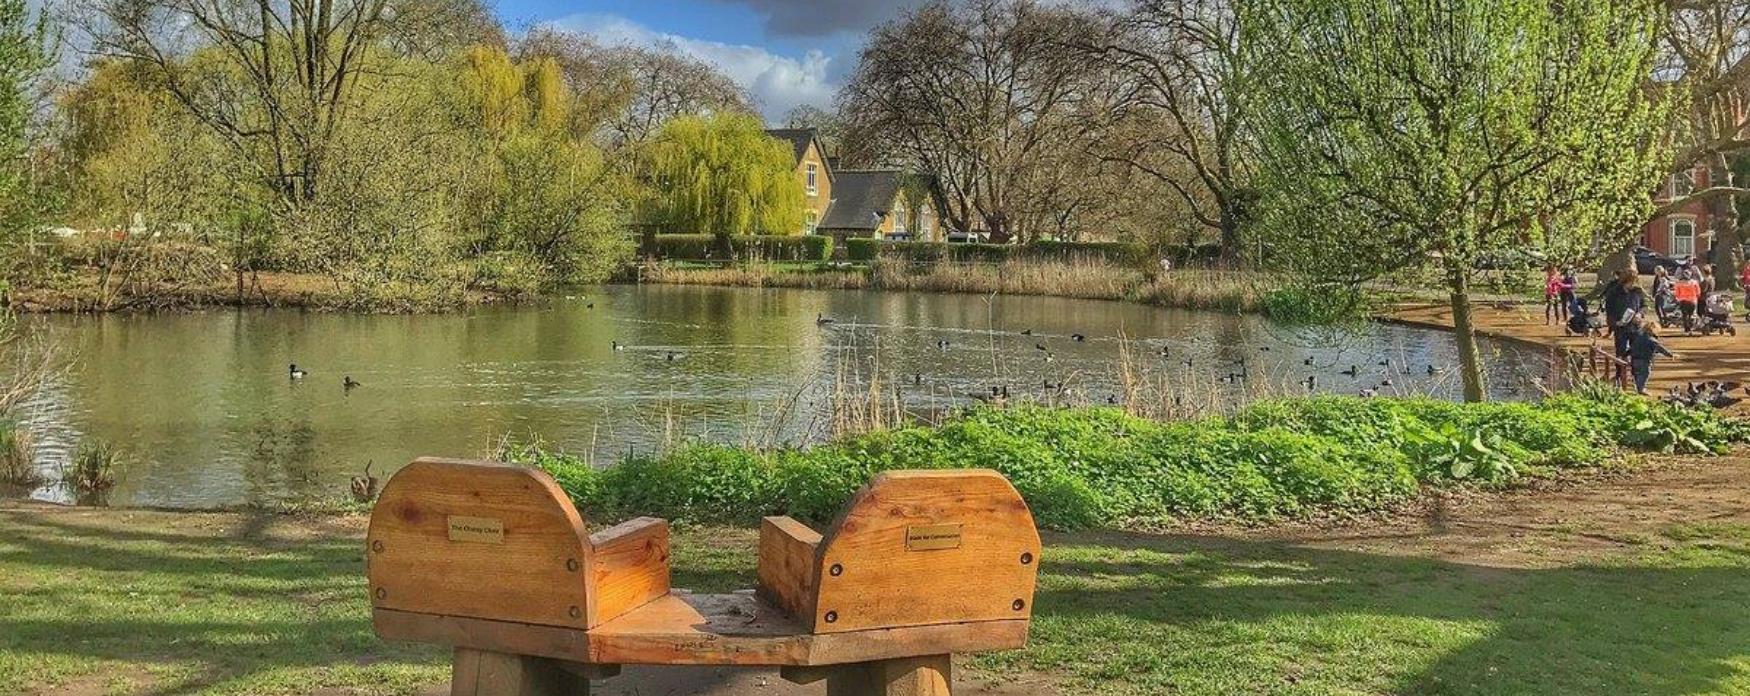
785, 52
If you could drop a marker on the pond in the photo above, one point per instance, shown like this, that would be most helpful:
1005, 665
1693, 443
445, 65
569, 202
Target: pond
207, 415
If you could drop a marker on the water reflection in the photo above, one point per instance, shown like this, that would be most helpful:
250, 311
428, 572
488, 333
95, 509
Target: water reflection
204, 408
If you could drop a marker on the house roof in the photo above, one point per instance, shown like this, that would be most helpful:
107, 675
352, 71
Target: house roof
799, 138
860, 198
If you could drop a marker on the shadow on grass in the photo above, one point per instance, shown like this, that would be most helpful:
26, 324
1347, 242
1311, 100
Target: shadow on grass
246, 610
239, 611
1224, 616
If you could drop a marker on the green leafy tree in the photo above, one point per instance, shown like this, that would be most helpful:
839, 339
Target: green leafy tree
723, 175
1395, 134
25, 54
543, 193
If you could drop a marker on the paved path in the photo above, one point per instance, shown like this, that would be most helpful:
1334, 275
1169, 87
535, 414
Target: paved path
1725, 358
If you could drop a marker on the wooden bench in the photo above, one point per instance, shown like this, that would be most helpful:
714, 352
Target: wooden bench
494, 560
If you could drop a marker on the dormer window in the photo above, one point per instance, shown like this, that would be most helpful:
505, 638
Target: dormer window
812, 189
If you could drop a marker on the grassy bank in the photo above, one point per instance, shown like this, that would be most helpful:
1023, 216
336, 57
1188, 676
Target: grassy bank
83, 292
1188, 289
130, 602
1083, 467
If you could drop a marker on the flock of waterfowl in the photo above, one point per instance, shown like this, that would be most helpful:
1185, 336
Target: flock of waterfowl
1234, 372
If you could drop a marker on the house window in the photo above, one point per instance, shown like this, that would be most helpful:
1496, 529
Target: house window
1682, 183
810, 222
899, 220
924, 224
812, 190
1682, 237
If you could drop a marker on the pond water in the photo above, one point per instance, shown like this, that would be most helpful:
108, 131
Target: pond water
207, 415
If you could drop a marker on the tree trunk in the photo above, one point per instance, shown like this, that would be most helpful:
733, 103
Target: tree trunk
1724, 209
1470, 360
1230, 238
1617, 260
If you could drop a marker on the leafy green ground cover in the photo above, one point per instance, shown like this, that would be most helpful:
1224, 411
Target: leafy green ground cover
1090, 467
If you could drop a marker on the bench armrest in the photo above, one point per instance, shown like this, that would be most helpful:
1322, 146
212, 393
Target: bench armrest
630, 567
788, 566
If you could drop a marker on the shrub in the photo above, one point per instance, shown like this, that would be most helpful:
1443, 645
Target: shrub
862, 249
1298, 304
94, 468
1099, 466
508, 272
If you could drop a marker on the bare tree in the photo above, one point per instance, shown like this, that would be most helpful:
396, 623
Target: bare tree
827, 125
978, 95
632, 90
273, 80
1706, 59
1181, 59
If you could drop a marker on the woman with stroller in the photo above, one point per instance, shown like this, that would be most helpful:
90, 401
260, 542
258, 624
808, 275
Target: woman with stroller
1688, 292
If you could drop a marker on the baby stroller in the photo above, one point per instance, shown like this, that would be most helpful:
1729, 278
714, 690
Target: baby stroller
1583, 321
1716, 315
1665, 308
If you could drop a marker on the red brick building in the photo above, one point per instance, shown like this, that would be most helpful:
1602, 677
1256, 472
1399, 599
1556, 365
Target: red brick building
1687, 231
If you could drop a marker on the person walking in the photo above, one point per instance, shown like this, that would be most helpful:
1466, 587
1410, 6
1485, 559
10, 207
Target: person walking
1616, 297
1744, 280
1642, 349
1570, 285
1554, 309
1688, 293
1624, 301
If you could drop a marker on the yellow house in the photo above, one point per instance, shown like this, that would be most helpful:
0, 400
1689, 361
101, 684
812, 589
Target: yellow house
812, 169
848, 203
877, 203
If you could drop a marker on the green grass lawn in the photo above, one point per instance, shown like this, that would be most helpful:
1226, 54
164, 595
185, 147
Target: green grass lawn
152, 602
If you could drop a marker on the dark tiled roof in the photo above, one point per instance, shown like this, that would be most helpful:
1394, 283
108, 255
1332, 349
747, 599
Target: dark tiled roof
860, 199
799, 138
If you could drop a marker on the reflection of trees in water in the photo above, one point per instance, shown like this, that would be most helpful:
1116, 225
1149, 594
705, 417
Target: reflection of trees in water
282, 460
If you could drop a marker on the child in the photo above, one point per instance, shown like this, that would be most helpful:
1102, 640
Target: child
1642, 348
1553, 307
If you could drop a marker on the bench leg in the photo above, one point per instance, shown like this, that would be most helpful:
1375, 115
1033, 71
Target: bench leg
481, 673
932, 675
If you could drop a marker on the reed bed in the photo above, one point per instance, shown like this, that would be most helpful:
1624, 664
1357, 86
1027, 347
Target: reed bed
18, 459
1215, 290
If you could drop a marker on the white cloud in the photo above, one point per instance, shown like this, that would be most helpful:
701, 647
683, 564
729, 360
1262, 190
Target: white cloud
778, 83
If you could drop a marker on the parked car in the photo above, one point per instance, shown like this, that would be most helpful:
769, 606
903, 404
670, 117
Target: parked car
1647, 260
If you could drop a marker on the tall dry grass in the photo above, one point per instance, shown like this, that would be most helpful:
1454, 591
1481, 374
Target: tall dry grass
754, 274
18, 458
1228, 291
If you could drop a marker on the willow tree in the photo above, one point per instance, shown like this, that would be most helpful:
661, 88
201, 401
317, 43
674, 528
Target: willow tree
538, 189
1403, 134
722, 175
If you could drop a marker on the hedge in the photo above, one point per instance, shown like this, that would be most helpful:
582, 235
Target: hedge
702, 247
861, 249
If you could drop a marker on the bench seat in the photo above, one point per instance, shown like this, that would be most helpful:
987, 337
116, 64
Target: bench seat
684, 628
495, 561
